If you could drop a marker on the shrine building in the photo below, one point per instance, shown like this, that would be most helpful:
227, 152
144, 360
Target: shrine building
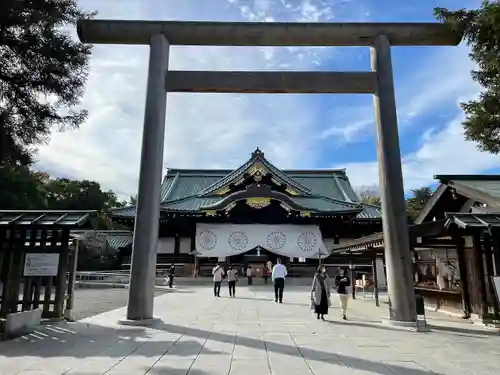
254, 214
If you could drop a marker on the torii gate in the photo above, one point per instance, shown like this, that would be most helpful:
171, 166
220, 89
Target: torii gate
160, 35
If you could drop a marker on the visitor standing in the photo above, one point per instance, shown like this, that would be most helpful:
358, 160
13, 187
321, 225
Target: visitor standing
218, 273
278, 277
171, 275
249, 275
320, 293
232, 278
342, 283
265, 274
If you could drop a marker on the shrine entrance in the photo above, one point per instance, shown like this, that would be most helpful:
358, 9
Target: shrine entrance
160, 35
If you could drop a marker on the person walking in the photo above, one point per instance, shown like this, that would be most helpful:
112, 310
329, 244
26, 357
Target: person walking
278, 277
232, 278
320, 293
218, 273
342, 283
249, 275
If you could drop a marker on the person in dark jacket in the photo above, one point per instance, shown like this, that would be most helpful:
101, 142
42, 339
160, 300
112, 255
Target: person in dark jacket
171, 275
342, 283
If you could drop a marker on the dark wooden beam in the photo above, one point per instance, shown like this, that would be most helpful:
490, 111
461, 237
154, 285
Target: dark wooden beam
265, 33
462, 270
271, 82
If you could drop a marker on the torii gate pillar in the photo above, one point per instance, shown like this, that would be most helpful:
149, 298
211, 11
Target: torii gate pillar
379, 36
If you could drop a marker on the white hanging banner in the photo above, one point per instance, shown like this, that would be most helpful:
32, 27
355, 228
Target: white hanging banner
222, 240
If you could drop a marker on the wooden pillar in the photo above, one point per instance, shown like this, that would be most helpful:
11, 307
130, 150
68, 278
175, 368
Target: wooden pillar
375, 278
195, 254
62, 272
496, 251
479, 262
177, 245
488, 256
462, 269
352, 276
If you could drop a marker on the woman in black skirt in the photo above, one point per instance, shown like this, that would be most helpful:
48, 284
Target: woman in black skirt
320, 293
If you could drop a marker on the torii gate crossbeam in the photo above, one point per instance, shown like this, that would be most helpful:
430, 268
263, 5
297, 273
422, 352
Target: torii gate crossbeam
159, 35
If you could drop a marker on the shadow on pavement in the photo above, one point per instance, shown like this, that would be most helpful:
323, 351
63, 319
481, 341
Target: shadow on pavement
84, 340
306, 353
436, 328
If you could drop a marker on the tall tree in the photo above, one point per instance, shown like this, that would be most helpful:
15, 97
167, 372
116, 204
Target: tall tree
21, 189
66, 194
418, 200
42, 74
481, 30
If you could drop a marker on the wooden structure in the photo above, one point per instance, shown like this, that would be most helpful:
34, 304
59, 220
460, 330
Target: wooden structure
35, 259
455, 243
255, 193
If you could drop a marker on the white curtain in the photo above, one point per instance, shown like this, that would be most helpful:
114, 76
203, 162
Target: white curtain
221, 240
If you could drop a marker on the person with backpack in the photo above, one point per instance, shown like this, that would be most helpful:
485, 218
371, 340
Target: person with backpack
218, 274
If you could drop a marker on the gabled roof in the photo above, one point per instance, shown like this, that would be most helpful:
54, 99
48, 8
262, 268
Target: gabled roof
484, 189
192, 190
257, 160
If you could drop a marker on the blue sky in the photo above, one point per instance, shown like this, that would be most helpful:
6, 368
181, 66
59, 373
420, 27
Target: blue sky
294, 131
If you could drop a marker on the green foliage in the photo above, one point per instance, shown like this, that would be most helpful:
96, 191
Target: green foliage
23, 189
418, 200
481, 30
369, 195
43, 71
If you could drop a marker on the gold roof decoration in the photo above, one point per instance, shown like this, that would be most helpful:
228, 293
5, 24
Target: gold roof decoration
258, 202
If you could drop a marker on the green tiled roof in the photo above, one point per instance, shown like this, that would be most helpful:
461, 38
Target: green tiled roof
369, 212
115, 238
257, 157
486, 186
320, 190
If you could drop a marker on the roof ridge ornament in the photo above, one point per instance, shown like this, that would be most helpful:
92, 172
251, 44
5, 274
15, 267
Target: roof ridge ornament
257, 152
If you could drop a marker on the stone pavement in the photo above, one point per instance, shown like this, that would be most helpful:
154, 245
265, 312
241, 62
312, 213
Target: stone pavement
251, 334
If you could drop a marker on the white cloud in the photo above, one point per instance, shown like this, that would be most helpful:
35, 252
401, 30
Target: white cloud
439, 79
215, 130
203, 130
442, 151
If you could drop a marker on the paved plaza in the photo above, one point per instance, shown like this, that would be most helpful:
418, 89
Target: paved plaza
251, 334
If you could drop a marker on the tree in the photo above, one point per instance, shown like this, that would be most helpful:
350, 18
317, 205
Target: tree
66, 194
21, 189
418, 200
369, 195
42, 74
481, 29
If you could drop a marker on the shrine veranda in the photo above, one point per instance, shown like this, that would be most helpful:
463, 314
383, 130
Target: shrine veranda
255, 214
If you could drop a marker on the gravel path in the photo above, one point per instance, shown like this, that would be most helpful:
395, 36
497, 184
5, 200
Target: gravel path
90, 302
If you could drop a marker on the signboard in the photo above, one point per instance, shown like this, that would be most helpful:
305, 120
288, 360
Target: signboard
41, 264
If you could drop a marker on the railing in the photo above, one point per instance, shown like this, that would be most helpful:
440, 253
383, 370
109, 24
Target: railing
119, 277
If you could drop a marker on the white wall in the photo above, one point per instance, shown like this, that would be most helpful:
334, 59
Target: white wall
185, 245
166, 245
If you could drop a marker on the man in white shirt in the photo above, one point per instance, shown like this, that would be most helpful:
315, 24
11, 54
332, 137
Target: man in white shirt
278, 276
218, 273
